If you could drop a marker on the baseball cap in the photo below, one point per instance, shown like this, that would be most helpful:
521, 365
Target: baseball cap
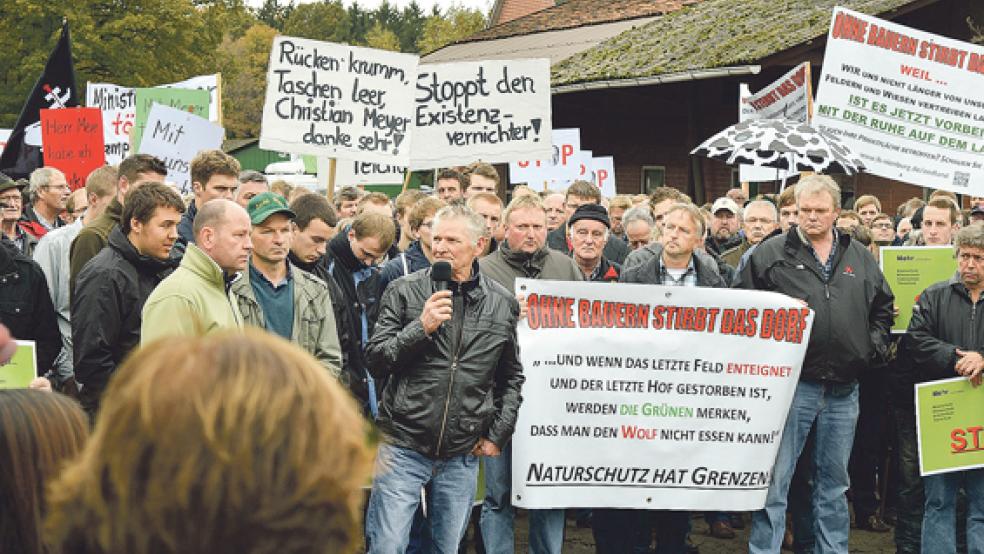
724, 203
594, 212
264, 205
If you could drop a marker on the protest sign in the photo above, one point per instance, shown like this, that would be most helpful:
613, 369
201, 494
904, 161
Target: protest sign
118, 105
187, 100
4, 135
562, 164
644, 396
790, 98
339, 101
175, 136
350, 172
950, 418
906, 102
22, 368
495, 111
909, 270
73, 142
603, 175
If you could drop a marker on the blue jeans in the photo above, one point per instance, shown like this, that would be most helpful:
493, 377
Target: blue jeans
834, 408
400, 474
546, 526
939, 529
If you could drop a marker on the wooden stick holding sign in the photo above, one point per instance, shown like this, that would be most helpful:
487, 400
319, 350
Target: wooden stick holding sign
406, 180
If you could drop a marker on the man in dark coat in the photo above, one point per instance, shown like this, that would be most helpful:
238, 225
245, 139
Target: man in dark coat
25, 305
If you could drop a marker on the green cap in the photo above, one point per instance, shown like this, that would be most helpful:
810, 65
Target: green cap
6, 183
265, 204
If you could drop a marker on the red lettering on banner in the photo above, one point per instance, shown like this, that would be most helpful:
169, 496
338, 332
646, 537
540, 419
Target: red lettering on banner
549, 312
849, 27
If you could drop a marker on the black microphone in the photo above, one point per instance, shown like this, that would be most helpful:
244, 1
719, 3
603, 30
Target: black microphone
441, 275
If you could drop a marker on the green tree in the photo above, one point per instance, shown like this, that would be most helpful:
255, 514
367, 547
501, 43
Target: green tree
382, 38
325, 20
274, 14
457, 23
243, 63
410, 26
359, 23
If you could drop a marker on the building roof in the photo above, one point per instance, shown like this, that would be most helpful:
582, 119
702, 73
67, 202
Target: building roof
710, 34
508, 10
578, 13
231, 145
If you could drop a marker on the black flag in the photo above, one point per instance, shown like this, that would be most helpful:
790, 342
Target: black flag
55, 88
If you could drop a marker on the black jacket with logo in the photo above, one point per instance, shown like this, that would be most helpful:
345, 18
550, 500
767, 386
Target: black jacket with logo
852, 311
460, 384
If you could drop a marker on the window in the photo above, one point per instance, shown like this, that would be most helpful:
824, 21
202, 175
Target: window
653, 177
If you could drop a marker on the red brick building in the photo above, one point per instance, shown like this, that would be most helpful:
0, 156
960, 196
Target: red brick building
646, 81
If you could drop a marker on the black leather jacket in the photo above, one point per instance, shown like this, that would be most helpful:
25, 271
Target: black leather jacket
462, 383
943, 320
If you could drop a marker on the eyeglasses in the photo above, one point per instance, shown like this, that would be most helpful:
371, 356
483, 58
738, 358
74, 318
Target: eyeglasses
57, 187
882, 226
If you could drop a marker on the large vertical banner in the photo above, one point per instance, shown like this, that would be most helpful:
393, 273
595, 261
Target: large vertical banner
73, 142
339, 101
907, 102
495, 111
643, 396
790, 97
175, 136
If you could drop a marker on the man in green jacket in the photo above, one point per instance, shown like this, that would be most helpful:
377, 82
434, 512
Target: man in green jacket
279, 297
194, 300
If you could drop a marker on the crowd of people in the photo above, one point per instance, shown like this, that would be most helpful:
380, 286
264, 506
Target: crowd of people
217, 435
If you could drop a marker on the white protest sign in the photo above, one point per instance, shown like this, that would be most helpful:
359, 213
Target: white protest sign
351, 172
175, 136
119, 109
645, 396
495, 111
338, 101
789, 98
563, 163
603, 175
906, 102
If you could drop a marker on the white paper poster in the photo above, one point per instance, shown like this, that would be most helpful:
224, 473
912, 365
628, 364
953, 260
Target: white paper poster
496, 111
644, 396
906, 102
176, 136
339, 101
350, 172
563, 163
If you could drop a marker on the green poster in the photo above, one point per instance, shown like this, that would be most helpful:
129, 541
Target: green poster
950, 421
22, 368
194, 101
909, 270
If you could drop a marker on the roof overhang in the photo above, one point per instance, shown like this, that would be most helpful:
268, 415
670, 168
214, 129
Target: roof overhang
680, 76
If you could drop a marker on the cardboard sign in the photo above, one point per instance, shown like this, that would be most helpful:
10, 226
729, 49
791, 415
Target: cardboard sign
186, 100
338, 101
119, 108
790, 98
22, 368
563, 164
907, 102
653, 397
176, 136
350, 172
495, 111
909, 270
73, 142
949, 416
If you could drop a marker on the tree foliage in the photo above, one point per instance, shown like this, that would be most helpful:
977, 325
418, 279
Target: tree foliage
150, 42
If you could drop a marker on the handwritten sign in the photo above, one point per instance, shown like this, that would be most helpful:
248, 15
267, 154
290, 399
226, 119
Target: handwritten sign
496, 111
175, 136
186, 100
73, 142
350, 172
338, 101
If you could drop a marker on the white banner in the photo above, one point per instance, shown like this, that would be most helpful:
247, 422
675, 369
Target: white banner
119, 108
907, 102
349, 172
175, 136
338, 101
789, 98
562, 164
643, 396
495, 111
4, 135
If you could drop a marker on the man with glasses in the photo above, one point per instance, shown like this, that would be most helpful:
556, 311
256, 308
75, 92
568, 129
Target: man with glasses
589, 230
11, 201
760, 220
352, 260
49, 191
882, 230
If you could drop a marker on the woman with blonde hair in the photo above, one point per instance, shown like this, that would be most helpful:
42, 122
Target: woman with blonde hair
235, 443
39, 432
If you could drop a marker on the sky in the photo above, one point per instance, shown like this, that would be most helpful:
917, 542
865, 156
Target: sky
425, 5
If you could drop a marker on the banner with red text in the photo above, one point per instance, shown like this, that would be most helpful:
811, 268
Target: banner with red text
907, 102
644, 396
790, 97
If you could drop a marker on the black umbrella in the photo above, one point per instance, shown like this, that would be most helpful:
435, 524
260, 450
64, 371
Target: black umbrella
781, 144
